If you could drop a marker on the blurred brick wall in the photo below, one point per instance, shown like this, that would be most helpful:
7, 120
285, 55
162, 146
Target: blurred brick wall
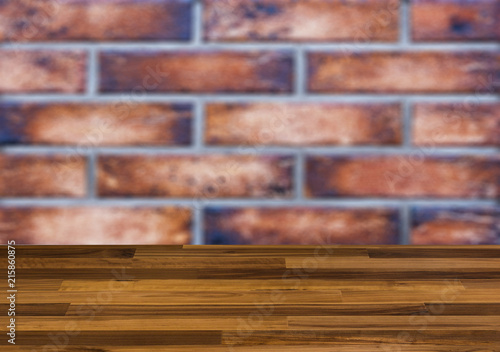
250, 122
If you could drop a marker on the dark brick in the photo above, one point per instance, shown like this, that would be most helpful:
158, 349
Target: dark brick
42, 176
438, 20
305, 20
42, 71
411, 175
95, 225
91, 124
460, 124
204, 176
303, 124
95, 20
403, 72
197, 72
455, 226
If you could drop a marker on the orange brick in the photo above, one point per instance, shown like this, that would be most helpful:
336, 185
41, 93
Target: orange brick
455, 226
31, 71
42, 176
94, 226
400, 72
47, 20
197, 71
303, 124
300, 226
305, 20
411, 175
437, 20
204, 177
90, 124
456, 124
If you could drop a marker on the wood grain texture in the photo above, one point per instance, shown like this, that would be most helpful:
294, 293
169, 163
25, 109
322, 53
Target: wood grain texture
256, 298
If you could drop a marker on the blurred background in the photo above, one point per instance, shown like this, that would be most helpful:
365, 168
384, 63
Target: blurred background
250, 122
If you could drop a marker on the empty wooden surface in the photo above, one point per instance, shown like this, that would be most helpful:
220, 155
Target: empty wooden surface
255, 298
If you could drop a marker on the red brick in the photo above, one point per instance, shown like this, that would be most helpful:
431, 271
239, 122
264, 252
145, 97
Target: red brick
42, 176
305, 20
92, 124
401, 72
24, 20
456, 124
197, 71
303, 124
411, 175
301, 226
455, 226
439, 20
93, 226
31, 71
204, 176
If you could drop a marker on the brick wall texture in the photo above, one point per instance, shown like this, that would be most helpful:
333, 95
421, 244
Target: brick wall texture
250, 121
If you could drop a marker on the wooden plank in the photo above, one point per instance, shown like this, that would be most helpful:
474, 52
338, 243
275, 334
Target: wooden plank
435, 252
243, 310
447, 296
482, 284
368, 322
33, 284
38, 309
150, 263
367, 273
473, 338
75, 251
252, 274
463, 309
183, 297
250, 251
268, 348
142, 323
254, 285
403, 264
106, 274
117, 338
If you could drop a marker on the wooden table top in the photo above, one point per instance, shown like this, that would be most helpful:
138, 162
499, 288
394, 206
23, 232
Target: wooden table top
255, 298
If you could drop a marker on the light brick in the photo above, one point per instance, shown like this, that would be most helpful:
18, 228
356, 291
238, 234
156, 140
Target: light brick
409, 175
91, 124
403, 72
438, 20
50, 20
303, 124
42, 176
202, 177
305, 20
456, 124
464, 226
94, 226
197, 72
34, 71
306, 226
